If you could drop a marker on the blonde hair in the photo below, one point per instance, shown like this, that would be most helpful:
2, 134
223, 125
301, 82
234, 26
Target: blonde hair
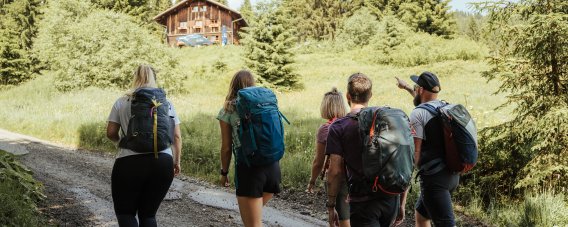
333, 105
241, 79
144, 76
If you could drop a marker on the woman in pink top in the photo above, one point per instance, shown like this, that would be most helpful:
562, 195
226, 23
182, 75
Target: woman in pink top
332, 107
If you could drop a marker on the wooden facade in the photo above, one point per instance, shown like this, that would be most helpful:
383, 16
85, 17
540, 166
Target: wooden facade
203, 17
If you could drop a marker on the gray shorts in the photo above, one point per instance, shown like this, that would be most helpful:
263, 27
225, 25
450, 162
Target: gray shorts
341, 203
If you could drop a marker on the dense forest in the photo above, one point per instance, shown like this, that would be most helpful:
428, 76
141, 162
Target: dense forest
524, 43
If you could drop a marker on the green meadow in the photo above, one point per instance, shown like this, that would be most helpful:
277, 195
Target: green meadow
78, 118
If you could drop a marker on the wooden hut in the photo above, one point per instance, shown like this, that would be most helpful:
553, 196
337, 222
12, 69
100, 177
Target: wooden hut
208, 18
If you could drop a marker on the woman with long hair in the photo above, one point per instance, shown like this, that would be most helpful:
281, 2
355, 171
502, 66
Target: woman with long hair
140, 180
255, 185
332, 107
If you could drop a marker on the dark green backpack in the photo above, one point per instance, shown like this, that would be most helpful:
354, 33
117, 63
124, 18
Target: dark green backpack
388, 158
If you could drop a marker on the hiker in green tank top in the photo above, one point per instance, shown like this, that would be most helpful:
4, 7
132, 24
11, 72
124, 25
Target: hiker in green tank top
332, 107
255, 185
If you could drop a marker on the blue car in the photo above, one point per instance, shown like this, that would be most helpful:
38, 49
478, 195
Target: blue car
193, 40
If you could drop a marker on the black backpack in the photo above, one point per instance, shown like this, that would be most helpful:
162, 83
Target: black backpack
388, 158
150, 128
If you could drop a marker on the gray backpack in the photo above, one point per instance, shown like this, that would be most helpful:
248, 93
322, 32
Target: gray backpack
388, 158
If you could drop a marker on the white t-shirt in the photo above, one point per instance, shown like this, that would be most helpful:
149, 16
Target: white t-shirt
120, 113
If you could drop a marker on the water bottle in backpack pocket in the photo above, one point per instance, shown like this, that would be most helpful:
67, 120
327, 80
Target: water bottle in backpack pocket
261, 131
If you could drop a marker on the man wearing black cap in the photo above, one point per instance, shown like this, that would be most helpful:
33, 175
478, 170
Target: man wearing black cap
436, 181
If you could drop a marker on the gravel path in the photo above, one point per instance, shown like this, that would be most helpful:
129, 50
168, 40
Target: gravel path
77, 186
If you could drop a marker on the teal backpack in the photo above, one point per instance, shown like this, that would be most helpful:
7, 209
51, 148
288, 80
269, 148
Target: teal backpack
261, 131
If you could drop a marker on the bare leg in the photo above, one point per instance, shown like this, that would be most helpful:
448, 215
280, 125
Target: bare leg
421, 221
344, 223
266, 197
251, 211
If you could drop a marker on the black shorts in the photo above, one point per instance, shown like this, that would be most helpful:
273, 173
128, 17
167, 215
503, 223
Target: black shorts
435, 201
375, 212
255, 180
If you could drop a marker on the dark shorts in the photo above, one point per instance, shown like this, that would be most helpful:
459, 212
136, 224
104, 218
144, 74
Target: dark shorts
376, 212
341, 203
255, 180
435, 201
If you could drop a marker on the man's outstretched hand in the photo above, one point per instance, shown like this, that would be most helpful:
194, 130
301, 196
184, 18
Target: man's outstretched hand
400, 83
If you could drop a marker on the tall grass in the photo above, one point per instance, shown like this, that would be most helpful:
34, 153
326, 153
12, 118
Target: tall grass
543, 209
79, 118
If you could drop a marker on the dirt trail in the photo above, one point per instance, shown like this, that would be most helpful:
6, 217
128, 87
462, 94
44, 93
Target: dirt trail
77, 185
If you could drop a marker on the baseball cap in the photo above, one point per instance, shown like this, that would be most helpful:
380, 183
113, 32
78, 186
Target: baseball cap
428, 81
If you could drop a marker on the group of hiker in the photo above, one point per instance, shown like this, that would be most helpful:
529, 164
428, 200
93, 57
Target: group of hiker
366, 155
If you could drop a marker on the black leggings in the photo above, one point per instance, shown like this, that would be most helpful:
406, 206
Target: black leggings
139, 184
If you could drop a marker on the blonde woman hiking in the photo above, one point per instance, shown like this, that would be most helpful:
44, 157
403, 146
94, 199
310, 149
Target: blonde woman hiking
332, 107
146, 127
252, 130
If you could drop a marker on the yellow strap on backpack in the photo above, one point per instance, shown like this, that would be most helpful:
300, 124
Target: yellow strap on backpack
155, 113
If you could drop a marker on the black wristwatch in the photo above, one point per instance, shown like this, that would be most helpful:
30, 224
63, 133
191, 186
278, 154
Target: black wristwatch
224, 173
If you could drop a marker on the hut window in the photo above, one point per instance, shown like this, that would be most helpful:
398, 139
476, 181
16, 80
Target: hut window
204, 9
195, 9
183, 25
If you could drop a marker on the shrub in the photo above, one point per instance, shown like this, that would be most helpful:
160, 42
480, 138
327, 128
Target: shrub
219, 66
19, 193
422, 48
358, 29
87, 47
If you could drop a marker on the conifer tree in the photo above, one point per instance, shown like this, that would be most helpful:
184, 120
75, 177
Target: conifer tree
431, 16
529, 151
17, 30
267, 48
318, 19
473, 30
246, 11
224, 2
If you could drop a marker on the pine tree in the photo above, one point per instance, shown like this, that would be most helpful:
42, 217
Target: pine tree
529, 151
17, 30
142, 10
473, 30
431, 16
318, 19
267, 48
224, 2
246, 11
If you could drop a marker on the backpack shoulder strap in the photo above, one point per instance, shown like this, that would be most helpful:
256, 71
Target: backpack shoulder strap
433, 110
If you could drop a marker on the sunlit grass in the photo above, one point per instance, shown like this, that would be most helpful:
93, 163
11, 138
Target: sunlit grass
79, 118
